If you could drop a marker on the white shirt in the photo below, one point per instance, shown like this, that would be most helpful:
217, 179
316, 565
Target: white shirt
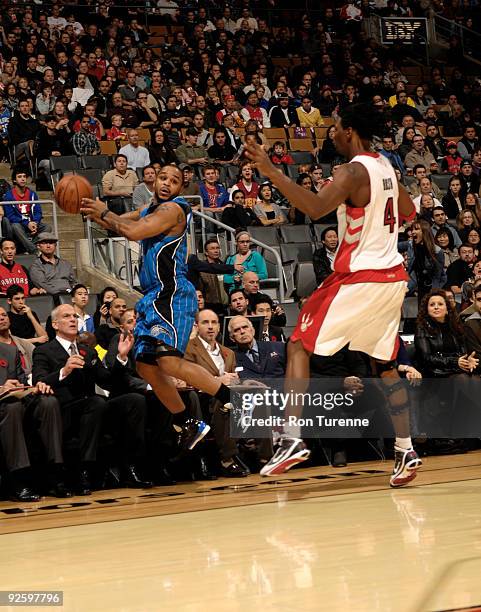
56, 22
81, 322
137, 157
216, 356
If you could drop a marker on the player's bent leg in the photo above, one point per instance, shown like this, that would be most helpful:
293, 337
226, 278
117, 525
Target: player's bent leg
406, 460
291, 449
191, 430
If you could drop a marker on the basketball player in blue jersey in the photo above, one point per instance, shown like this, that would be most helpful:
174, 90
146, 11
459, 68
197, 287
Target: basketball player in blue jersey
367, 272
166, 312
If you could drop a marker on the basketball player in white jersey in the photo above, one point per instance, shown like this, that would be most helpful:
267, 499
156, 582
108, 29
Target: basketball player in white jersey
360, 303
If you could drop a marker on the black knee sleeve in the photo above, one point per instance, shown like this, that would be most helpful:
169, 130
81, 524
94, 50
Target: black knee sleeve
397, 405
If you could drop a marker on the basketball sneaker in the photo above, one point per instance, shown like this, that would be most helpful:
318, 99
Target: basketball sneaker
289, 452
406, 463
192, 432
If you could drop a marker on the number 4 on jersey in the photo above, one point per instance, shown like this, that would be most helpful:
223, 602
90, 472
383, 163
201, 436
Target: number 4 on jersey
389, 217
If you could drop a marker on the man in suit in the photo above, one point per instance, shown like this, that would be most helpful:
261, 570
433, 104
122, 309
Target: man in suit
220, 362
73, 370
263, 307
158, 417
45, 412
259, 360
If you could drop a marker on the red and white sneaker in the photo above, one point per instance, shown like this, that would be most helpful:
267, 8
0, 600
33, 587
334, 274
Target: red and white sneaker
406, 464
289, 452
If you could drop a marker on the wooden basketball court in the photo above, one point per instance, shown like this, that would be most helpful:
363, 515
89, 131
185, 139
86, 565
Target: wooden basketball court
314, 539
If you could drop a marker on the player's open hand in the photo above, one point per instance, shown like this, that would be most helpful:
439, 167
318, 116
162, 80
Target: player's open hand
259, 158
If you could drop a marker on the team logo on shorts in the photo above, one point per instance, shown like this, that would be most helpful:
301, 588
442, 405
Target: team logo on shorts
158, 330
306, 322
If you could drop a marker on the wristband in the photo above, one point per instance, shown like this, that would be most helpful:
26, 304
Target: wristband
104, 213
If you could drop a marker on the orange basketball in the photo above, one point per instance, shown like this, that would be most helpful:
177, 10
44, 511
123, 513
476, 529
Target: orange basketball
70, 191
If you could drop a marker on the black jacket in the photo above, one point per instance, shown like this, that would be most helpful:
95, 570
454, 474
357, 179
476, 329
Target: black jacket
278, 119
432, 357
50, 358
322, 264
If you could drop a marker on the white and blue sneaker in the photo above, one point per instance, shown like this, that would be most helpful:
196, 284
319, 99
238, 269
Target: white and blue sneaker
192, 433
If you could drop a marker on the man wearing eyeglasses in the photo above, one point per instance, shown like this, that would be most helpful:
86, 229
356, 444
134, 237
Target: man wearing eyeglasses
145, 116
419, 155
48, 271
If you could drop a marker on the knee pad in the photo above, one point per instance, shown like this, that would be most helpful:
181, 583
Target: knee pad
394, 388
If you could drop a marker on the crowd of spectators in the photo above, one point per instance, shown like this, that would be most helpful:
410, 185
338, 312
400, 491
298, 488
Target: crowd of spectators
174, 84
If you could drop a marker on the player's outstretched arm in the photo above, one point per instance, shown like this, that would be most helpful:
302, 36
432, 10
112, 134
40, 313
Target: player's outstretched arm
131, 225
312, 204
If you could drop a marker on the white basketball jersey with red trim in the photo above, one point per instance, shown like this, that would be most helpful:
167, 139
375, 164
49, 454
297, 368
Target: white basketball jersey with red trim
368, 236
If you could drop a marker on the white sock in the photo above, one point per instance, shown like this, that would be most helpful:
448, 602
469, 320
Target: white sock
403, 443
292, 431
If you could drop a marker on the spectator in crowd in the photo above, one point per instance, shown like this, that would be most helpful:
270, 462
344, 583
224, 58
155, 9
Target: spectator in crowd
220, 362
214, 194
49, 272
469, 180
204, 275
439, 339
246, 183
419, 155
24, 323
258, 360
73, 370
238, 302
323, 257
190, 153
426, 187
451, 162
222, 152
250, 260
121, 181
461, 269
308, 115
95, 126
189, 186
465, 222
265, 210
435, 143
13, 273
279, 154
45, 412
238, 215
453, 200
80, 298
160, 150
22, 129
263, 306
406, 145
50, 142
101, 314
328, 153
84, 142
283, 115
389, 151
136, 154
468, 143
472, 326
24, 347
440, 221
425, 259
143, 193
106, 331
26, 216
253, 111
81, 93
444, 239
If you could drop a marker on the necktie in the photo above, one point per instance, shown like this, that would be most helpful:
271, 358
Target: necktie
253, 356
72, 349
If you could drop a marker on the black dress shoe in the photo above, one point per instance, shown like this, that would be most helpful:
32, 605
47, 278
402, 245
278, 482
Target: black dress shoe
83, 486
202, 472
59, 489
132, 480
24, 494
340, 459
163, 478
235, 469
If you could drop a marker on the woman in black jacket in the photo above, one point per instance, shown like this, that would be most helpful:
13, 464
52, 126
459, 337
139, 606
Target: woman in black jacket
160, 151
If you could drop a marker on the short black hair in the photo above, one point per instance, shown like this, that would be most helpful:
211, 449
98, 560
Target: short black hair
19, 170
14, 290
362, 118
261, 298
331, 228
75, 288
120, 155
210, 241
238, 290
6, 239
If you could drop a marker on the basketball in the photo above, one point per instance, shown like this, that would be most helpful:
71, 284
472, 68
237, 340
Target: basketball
70, 191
